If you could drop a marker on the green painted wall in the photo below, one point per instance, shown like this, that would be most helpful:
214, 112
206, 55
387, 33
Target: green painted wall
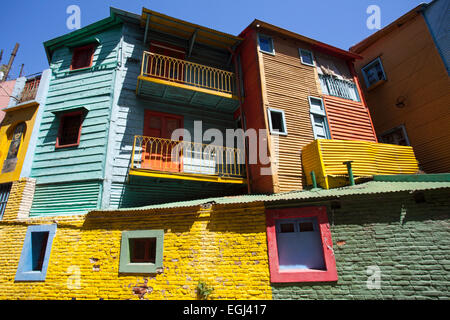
409, 242
70, 180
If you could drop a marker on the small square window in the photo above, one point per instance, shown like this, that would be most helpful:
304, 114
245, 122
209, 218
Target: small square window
35, 255
304, 253
277, 121
141, 251
373, 73
69, 129
82, 57
306, 57
266, 44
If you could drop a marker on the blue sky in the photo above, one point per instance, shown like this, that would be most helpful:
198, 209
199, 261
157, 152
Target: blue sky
340, 23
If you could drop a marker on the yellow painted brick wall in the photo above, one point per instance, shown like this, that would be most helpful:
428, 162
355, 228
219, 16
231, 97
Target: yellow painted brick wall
14, 199
225, 247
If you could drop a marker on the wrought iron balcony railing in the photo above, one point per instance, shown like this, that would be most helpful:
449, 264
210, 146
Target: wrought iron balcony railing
338, 88
29, 90
188, 73
184, 157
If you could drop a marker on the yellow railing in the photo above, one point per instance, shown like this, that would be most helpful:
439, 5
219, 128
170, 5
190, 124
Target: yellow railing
184, 157
185, 72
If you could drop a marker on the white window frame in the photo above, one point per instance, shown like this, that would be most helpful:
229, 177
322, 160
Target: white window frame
283, 118
271, 41
322, 114
363, 71
301, 57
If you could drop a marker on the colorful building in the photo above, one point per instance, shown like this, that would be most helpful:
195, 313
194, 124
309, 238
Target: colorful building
304, 94
405, 77
383, 239
122, 208
19, 132
119, 88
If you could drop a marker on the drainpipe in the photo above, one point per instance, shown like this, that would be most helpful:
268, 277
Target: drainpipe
313, 178
350, 172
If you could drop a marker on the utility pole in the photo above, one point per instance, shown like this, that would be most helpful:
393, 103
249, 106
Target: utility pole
1, 55
21, 69
11, 59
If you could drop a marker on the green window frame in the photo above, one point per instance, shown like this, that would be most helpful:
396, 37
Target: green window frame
126, 265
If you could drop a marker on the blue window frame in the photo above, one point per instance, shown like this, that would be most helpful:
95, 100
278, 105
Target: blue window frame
299, 244
373, 73
5, 189
306, 57
35, 255
266, 44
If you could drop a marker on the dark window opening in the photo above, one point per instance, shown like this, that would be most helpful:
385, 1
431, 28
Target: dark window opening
286, 227
142, 250
38, 245
306, 226
277, 121
69, 131
82, 57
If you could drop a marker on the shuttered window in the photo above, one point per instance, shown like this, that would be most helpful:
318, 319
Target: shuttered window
5, 189
318, 118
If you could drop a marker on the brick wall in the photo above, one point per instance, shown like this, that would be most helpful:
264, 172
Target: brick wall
226, 248
407, 242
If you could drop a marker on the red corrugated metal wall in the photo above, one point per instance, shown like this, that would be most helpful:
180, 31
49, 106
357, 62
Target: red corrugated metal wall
348, 120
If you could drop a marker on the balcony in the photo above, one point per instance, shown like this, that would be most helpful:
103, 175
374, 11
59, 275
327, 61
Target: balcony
171, 159
339, 88
29, 90
326, 161
186, 82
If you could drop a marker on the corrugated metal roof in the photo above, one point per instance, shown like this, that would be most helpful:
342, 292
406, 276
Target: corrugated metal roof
371, 187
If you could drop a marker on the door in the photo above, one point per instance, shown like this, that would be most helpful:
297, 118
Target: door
159, 152
163, 66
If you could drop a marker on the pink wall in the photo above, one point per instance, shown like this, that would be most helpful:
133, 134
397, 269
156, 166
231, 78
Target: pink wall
7, 86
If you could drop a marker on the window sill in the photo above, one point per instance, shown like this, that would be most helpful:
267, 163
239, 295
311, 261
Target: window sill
267, 52
376, 85
67, 146
81, 69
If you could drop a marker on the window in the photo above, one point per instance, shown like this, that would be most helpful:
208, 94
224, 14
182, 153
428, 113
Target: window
69, 129
396, 136
300, 245
306, 57
141, 251
318, 118
277, 122
266, 44
5, 189
17, 137
82, 57
35, 255
373, 73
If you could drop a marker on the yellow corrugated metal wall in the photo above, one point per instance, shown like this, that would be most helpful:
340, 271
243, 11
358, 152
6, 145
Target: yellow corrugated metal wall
326, 157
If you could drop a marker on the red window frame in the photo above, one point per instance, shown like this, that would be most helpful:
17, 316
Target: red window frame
300, 275
76, 52
61, 126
